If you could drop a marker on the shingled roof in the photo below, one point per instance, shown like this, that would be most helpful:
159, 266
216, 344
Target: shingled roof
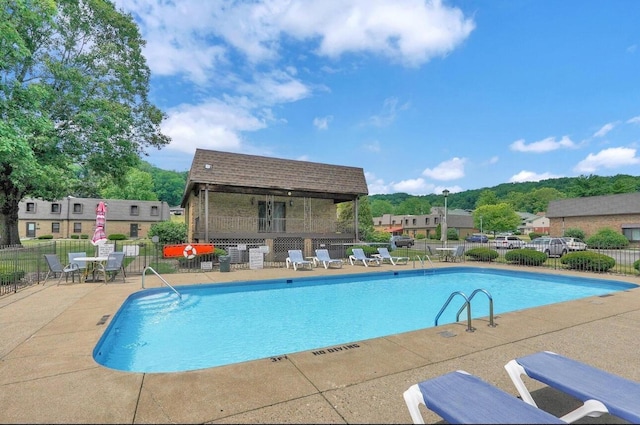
625, 203
241, 173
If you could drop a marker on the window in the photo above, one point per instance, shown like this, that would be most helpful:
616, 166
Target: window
56, 208
77, 227
435, 220
77, 208
632, 232
272, 221
134, 210
426, 221
414, 221
31, 207
55, 227
154, 210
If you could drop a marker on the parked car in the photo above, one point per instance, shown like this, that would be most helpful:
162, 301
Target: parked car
575, 244
508, 242
402, 240
477, 238
553, 247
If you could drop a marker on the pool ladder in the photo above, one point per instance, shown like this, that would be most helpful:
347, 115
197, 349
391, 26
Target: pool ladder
467, 305
144, 273
422, 260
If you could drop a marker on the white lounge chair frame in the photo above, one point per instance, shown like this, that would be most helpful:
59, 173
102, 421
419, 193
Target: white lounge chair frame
297, 260
358, 255
600, 391
385, 255
322, 256
459, 397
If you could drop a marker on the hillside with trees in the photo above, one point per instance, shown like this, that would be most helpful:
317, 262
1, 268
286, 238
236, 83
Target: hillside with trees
532, 197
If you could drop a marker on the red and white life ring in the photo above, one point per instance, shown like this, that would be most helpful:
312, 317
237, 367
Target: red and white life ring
189, 252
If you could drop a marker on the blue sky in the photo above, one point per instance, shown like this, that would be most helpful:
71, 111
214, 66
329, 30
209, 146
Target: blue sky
423, 95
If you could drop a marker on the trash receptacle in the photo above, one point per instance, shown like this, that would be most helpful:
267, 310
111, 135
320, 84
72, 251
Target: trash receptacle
225, 263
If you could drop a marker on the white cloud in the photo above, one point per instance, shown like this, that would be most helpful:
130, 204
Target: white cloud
322, 123
447, 170
411, 186
372, 146
493, 160
193, 37
211, 125
546, 145
376, 185
607, 158
530, 176
634, 120
605, 129
389, 112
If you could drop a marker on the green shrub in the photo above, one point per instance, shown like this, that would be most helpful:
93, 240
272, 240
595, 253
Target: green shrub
526, 257
84, 236
7, 277
117, 237
377, 236
574, 233
74, 237
45, 237
170, 232
636, 265
452, 235
588, 261
607, 239
535, 235
482, 254
420, 236
368, 250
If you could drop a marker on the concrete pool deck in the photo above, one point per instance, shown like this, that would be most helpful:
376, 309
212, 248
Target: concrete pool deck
48, 374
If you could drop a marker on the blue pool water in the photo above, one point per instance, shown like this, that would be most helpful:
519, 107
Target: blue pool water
219, 324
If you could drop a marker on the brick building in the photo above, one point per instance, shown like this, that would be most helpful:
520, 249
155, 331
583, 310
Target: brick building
69, 216
248, 201
619, 212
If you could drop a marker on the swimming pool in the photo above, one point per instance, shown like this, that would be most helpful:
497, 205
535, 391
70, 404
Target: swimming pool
218, 324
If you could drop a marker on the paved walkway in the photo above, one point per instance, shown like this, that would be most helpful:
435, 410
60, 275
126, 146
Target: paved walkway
48, 375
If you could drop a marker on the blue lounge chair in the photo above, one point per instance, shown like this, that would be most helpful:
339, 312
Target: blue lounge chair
358, 255
322, 255
385, 255
461, 398
297, 260
600, 391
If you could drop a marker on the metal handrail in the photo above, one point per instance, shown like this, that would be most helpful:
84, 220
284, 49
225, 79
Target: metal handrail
493, 325
467, 304
426, 257
144, 273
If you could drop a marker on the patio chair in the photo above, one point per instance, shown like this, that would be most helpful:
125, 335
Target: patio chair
82, 265
461, 398
55, 266
385, 255
358, 255
114, 265
322, 255
458, 254
297, 260
600, 391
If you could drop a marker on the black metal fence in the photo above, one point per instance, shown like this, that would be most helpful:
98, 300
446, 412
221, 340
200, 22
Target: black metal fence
25, 265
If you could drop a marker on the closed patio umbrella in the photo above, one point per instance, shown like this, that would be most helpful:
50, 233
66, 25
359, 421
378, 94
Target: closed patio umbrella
99, 236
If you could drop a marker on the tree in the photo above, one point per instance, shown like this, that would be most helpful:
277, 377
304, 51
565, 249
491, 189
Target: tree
73, 100
496, 218
365, 219
414, 206
379, 207
487, 197
137, 185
